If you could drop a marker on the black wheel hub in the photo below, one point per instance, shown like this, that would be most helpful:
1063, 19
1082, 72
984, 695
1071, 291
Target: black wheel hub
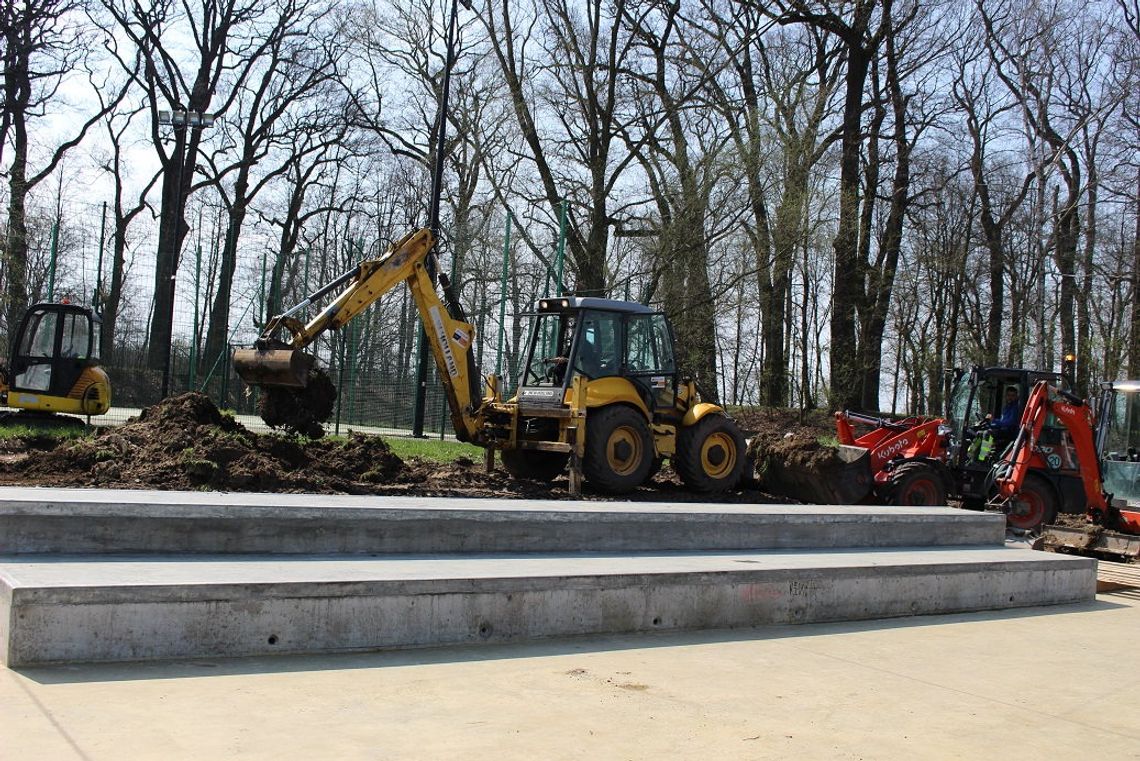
716, 455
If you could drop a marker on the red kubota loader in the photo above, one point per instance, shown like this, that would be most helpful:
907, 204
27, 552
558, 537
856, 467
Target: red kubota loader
926, 460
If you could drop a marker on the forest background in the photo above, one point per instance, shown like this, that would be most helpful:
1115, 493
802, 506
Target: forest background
834, 202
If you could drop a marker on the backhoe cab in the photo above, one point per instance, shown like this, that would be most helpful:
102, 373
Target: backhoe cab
599, 392
54, 363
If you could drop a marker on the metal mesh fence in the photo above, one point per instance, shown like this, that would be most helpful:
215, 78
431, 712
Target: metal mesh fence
371, 361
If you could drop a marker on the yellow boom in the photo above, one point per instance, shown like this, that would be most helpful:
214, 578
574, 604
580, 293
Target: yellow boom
280, 362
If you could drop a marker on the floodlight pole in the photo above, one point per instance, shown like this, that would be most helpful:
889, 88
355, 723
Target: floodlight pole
433, 211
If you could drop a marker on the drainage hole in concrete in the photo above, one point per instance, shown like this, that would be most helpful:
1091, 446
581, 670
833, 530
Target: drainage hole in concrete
273, 639
657, 620
485, 630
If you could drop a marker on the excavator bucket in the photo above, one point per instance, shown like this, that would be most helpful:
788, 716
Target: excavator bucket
809, 471
1092, 540
287, 368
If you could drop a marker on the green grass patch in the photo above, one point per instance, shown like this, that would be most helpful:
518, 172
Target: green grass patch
433, 449
26, 431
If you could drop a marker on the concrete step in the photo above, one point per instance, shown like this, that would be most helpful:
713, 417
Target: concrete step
95, 608
36, 521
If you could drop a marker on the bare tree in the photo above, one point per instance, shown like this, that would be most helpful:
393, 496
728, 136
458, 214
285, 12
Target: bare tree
567, 103
296, 70
123, 212
47, 43
202, 75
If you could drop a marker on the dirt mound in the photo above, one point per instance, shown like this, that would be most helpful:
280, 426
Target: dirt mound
802, 467
185, 442
774, 422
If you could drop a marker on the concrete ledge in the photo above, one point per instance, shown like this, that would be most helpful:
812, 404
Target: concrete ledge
36, 521
92, 609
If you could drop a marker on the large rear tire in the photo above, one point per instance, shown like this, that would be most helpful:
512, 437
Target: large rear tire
619, 449
534, 465
710, 455
1034, 506
916, 484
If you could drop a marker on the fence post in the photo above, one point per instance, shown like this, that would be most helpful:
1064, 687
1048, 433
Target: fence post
561, 255
193, 372
340, 384
352, 349
99, 267
51, 262
224, 395
503, 298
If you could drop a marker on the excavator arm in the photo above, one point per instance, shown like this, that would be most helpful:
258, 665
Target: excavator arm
278, 360
1078, 419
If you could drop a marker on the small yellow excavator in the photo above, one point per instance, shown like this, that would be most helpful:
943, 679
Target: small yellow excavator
54, 363
600, 393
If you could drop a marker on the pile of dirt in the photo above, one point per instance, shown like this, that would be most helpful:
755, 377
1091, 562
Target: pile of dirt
774, 422
185, 442
804, 467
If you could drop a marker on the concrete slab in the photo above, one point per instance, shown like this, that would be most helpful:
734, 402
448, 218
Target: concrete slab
94, 609
1003, 686
125, 521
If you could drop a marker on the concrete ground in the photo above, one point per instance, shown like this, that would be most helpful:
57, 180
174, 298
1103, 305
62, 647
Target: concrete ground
1036, 683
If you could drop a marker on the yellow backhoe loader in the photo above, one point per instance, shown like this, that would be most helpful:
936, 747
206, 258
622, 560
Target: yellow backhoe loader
54, 363
600, 393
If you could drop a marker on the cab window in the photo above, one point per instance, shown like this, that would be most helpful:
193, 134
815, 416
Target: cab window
599, 344
39, 338
648, 345
76, 339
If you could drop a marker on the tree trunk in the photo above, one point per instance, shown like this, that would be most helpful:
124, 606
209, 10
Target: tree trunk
16, 250
845, 370
1134, 333
217, 336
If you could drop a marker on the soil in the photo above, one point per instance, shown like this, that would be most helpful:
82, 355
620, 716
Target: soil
299, 411
793, 457
185, 442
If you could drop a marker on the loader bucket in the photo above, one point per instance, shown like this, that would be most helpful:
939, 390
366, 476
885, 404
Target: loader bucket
803, 469
287, 368
1093, 541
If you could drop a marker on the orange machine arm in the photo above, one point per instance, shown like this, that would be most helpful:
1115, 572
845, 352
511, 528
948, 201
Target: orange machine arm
1080, 422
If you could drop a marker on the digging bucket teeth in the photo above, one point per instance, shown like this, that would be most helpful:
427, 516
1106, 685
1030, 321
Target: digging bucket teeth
287, 368
845, 480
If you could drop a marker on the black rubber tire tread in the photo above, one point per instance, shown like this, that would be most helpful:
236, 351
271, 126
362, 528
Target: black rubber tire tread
905, 475
687, 460
1039, 485
533, 465
600, 423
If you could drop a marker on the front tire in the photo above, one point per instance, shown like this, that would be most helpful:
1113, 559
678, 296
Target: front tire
619, 449
1034, 506
710, 455
916, 484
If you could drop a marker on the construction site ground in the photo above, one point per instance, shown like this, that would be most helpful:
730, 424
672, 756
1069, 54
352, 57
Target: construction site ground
1027, 684
185, 442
